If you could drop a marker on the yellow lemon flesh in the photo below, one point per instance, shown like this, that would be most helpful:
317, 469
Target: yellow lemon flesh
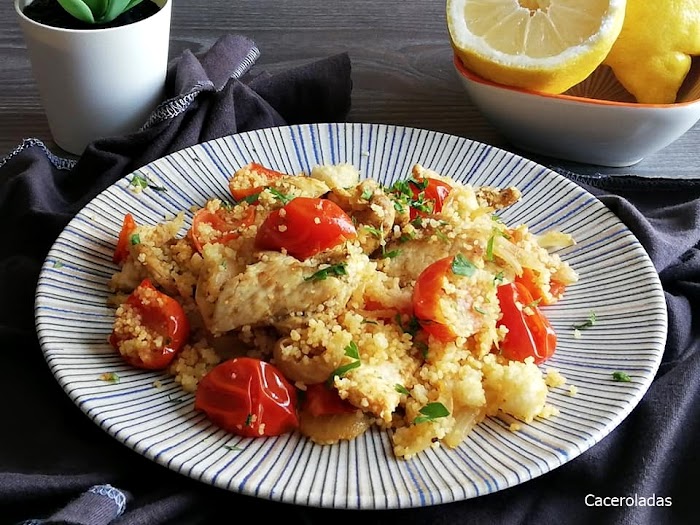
541, 45
652, 54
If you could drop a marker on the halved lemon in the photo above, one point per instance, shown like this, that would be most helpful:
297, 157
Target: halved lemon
541, 45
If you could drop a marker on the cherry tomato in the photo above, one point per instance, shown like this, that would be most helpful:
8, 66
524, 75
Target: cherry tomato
427, 295
528, 334
226, 227
248, 397
434, 192
528, 280
121, 252
321, 400
162, 316
304, 227
252, 179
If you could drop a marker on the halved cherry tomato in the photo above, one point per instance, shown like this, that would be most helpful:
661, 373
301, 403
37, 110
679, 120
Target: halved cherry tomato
252, 179
528, 334
427, 293
529, 280
162, 316
248, 397
226, 226
121, 252
304, 227
432, 192
321, 400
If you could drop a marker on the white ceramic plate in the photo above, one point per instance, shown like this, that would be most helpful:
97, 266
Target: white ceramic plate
617, 282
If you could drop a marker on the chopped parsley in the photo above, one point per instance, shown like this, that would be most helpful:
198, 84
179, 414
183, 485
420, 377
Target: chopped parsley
423, 347
479, 310
110, 377
252, 198
489, 244
138, 181
335, 270
587, 323
489, 248
389, 255
282, 197
367, 193
405, 196
344, 369
411, 327
233, 447
57, 264
421, 205
402, 189
374, 231
621, 377
135, 239
442, 236
352, 352
462, 266
248, 420
431, 412
142, 182
401, 389
421, 184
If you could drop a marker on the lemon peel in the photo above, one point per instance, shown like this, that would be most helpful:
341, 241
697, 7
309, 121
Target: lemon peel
652, 54
541, 45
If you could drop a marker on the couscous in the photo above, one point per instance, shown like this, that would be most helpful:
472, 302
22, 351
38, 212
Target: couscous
326, 304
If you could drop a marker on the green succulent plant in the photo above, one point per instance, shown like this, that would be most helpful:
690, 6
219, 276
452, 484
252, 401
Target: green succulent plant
97, 11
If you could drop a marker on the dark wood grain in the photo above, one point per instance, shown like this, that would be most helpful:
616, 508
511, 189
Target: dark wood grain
400, 53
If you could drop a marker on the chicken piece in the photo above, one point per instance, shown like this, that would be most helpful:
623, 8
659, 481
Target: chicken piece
387, 358
413, 257
274, 289
371, 209
428, 246
497, 198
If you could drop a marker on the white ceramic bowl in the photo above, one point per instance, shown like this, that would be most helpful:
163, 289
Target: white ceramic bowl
595, 122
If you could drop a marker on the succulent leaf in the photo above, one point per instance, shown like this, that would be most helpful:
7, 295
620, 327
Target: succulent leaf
116, 8
98, 7
78, 9
97, 11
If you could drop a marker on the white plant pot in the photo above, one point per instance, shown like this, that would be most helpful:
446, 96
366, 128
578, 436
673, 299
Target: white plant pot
97, 83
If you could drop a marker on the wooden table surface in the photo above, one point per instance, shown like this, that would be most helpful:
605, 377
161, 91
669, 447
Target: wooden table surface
400, 54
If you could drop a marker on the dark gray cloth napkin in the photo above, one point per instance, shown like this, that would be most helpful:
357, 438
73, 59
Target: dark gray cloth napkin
56, 466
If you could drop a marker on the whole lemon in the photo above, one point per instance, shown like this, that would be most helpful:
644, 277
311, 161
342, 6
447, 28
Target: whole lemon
652, 55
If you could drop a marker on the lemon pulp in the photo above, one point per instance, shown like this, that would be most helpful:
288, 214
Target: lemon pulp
542, 45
